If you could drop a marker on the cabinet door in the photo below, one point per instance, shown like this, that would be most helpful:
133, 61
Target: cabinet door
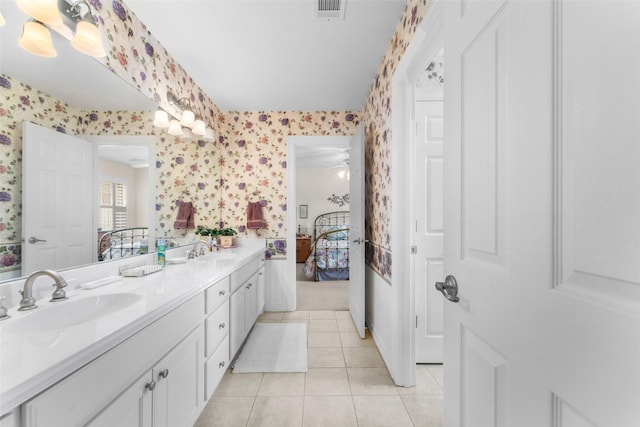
236, 321
262, 289
251, 302
131, 409
179, 393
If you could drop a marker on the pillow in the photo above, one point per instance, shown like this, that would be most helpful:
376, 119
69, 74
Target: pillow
333, 234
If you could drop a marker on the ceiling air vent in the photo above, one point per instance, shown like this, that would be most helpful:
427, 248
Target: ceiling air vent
330, 10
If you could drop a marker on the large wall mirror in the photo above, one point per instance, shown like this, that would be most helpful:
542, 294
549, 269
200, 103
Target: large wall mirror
84, 84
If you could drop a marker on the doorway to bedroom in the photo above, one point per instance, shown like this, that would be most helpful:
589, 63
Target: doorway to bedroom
322, 227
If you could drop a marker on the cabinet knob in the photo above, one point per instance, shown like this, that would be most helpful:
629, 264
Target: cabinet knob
222, 325
221, 364
221, 293
249, 285
150, 386
164, 373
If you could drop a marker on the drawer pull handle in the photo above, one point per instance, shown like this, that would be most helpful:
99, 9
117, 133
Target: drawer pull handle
222, 325
221, 293
150, 386
164, 373
221, 364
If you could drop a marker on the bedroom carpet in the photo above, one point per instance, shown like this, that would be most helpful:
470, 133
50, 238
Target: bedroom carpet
333, 295
274, 347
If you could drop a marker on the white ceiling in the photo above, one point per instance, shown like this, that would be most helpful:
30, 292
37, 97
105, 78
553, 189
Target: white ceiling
251, 55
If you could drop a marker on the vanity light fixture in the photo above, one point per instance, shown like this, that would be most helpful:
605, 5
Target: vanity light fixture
86, 39
174, 128
208, 135
199, 128
161, 119
45, 11
36, 39
187, 134
188, 126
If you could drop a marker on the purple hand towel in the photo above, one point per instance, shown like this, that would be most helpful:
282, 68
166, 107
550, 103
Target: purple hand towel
185, 218
254, 216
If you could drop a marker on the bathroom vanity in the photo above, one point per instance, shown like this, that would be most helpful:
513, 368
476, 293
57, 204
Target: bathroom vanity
149, 352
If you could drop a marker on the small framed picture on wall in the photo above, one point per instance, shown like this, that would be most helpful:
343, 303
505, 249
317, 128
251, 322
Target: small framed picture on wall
304, 211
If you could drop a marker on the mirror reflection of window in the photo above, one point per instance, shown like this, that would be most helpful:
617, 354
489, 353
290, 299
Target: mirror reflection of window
113, 206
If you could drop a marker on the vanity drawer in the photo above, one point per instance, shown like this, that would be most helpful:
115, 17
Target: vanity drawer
215, 367
240, 276
216, 328
216, 295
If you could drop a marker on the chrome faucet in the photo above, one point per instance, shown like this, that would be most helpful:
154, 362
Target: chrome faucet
28, 302
194, 252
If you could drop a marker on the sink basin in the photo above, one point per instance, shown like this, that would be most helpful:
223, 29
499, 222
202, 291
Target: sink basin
216, 257
219, 256
69, 313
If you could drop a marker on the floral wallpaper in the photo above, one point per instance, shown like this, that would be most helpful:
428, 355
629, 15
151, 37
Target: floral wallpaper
246, 163
253, 162
377, 118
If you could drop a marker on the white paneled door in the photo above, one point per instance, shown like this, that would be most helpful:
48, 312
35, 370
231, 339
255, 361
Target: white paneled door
542, 213
427, 201
356, 232
57, 200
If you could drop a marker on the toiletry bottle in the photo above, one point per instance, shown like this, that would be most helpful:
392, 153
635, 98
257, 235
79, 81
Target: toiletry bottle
144, 246
162, 247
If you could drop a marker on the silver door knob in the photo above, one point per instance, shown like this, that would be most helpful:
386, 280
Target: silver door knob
360, 241
33, 240
449, 288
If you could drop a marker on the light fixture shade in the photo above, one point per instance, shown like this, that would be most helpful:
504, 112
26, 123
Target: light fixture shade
188, 119
208, 135
199, 128
161, 119
175, 128
88, 40
42, 10
37, 39
187, 134
3, 21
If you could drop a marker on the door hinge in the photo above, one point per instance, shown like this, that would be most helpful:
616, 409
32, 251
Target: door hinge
414, 250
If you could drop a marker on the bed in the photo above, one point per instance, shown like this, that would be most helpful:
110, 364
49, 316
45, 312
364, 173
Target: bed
121, 243
329, 258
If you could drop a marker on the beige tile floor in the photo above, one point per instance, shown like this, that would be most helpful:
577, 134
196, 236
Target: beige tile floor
347, 385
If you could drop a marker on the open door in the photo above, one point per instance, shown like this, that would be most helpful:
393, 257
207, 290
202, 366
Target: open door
542, 242
57, 200
356, 233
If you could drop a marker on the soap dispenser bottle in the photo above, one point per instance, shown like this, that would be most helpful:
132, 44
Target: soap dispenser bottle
162, 247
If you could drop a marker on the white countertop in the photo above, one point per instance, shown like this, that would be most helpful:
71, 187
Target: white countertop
29, 363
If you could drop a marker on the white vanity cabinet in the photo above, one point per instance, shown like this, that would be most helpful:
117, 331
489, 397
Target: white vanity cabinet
216, 326
154, 378
247, 301
169, 394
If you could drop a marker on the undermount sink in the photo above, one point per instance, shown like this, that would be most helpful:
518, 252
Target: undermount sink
217, 257
68, 313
